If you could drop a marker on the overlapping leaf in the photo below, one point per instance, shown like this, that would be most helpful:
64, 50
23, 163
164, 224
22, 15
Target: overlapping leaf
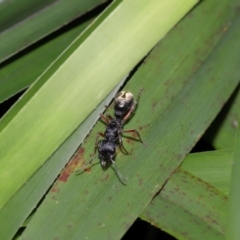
25, 22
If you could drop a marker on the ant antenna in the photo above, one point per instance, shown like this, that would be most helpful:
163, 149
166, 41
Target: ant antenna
86, 166
120, 176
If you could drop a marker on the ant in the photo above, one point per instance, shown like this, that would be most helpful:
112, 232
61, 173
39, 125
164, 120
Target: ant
124, 105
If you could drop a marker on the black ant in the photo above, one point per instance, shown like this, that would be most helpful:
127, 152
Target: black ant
124, 105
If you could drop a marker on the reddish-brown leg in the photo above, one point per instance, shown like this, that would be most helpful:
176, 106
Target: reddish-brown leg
104, 119
109, 117
133, 131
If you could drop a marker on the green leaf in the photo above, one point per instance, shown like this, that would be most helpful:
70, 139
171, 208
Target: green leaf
184, 202
172, 114
233, 231
222, 132
188, 208
20, 73
30, 194
213, 167
53, 108
24, 22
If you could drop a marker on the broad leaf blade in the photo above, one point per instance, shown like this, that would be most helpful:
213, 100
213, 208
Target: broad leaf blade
213, 167
95, 204
188, 208
53, 111
20, 73
233, 230
37, 21
222, 132
33, 191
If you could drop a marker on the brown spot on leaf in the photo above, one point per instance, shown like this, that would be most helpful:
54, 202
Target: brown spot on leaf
106, 177
225, 29
69, 226
70, 168
154, 104
143, 126
55, 188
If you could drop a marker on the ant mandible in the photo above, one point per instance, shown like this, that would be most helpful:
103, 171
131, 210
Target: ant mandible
124, 105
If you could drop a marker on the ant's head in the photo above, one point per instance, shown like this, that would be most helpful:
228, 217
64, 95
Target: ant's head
106, 153
105, 164
123, 102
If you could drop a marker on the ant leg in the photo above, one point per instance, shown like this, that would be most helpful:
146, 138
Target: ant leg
86, 166
96, 142
127, 116
90, 163
106, 109
104, 119
120, 176
134, 131
121, 145
109, 117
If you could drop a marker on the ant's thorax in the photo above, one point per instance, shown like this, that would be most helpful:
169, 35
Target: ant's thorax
113, 129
